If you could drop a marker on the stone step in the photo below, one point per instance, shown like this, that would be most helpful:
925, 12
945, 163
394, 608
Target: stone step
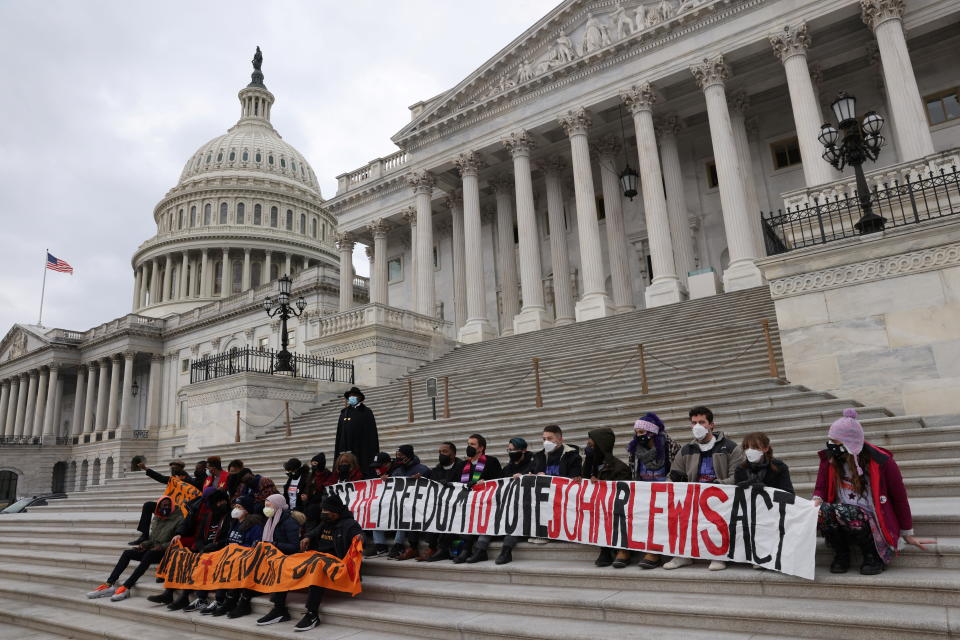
11, 631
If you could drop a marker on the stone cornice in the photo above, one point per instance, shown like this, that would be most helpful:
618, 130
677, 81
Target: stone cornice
191, 241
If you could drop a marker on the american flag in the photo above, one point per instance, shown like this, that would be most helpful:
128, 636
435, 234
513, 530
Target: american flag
56, 264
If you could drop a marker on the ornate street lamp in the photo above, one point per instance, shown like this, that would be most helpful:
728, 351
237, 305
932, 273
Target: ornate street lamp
282, 307
629, 178
861, 141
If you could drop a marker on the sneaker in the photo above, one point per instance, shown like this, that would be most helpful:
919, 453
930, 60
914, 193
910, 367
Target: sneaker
102, 591
240, 609
441, 554
277, 614
376, 551
408, 554
122, 593
161, 598
196, 605
210, 608
676, 563
505, 557
717, 565
225, 607
622, 559
307, 622
139, 540
538, 541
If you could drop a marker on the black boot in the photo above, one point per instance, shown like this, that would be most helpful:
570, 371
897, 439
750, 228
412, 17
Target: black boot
241, 609
180, 603
143, 538
225, 607
505, 557
162, 598
441, 554
841, 552
478, 555
605, 559
872, 564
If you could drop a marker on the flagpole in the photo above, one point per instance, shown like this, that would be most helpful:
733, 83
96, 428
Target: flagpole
43, 287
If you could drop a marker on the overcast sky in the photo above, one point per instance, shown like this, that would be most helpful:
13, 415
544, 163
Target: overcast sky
104, 101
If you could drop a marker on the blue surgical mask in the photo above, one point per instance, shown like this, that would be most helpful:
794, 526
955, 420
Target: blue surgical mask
353, 401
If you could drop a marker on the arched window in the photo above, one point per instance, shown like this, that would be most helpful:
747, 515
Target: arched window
245, 156
237, 273
270, 159
303, 223
273, 217
240, 212
209, 157
283, 163
257, 157
180, 219
289, 219
207, 214
293, 165
274, 271
313, 227
58, 483
223, 213
193, 216
217, 278
257, 214
256, 270
232, 156
95, 476
220, 156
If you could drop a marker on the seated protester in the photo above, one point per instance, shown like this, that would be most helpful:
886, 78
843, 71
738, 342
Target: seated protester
295, 488
380, 465
521, 461
649, 457
320, 478
476, 468
347, 469
447, 470
760, 468
406, 464
233, 478
255, 486
146, 512
862, 499
216, 476
165, 522
282, 531
711, 458
599, 463
557, 458
199, 475
246, 529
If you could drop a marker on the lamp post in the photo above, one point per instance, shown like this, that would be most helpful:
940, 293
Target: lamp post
861, 142
282, 307
629, 178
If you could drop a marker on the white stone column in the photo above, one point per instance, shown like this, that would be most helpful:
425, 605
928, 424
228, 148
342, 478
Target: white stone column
594, 303
226, 275
184, 292
422, 184
738, 105
455, 204
885, 18
665, 287
379, 289
559, 256
50, 416
113, 395
79, 395
40, 404
245, 278
154, 389
155, 281
345, 244
742, 272
58, 408
4, 404
409, 215
126, 395
91, 405
142, 288
502, 187
22, 392
790, 46
12, 402
206, 282
608, 150
675, 193
267, 267
478, 327
165, 279
137, 283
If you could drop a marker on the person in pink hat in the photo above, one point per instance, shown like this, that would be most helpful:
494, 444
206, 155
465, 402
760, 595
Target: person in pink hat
862, 499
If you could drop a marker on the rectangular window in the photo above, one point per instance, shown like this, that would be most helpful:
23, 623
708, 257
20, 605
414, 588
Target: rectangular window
257, 214
601, 211
289, 220
943, 106
395, 270
712, 180
436, 257
786, 153
263, 342
185, 365
273, 216
291, 338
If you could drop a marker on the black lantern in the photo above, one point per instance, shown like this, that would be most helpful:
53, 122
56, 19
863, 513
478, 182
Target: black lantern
134, 389
629, 179
283, 308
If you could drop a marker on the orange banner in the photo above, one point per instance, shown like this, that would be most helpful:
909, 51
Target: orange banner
181, 493
262, 567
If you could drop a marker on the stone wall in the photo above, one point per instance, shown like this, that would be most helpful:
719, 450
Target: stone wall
875, 318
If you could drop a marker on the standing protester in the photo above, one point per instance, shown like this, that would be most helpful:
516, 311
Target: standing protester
862, 499
447, 470
599, 463
177, 470
165, 522
649, 456
476, 468
710, 458
297, 485
357, 430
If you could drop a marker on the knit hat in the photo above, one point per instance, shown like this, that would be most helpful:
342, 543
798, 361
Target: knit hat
519, 444
334, 504
647, 426
850, 432
244, 501
406, 449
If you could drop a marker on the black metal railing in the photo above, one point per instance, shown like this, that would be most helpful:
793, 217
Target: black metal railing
902, 202
248, 359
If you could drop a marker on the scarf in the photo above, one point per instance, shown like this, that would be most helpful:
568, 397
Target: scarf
472, 471
279, 505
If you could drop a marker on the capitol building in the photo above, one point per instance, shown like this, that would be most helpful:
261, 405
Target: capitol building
614, 157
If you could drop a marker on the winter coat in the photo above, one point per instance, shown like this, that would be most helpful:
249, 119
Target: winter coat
357, 433
612, 467
452, 474
727, 456
644, 462
336, 537
286, 535
522, 466
888, 493
162, 479
413, 468
162, 530
218, 480
491, 470
246, 532
567, 456
195, 527
747, 474
302, 488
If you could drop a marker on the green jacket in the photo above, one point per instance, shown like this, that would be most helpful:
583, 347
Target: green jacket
162, 530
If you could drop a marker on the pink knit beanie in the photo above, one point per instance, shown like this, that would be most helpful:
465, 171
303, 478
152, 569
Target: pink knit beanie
646, 426
850, 432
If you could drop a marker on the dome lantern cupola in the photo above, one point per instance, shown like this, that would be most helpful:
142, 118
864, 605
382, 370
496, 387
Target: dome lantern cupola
255, 99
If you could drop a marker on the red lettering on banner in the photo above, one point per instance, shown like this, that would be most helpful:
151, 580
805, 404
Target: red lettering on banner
636, 545
373, 486
601, 513
571, 533
695, 522
486, 501
556, 521
678, 517
655, 488
716, 519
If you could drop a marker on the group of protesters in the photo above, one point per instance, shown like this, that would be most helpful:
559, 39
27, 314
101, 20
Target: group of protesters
859, 491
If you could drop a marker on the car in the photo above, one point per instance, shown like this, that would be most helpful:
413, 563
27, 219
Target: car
20, 506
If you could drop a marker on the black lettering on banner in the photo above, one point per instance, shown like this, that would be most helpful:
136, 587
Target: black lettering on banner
527, 484
432, 500
619, 536
387, 486
404, 483
461, 503
348, 490
783, 498
738, 513
444, 517
542, 494
417, 503
221, 573
755, 492
502, 512
308, 565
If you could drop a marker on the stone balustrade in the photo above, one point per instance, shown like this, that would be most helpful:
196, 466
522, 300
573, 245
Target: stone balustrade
377, 168
383, 316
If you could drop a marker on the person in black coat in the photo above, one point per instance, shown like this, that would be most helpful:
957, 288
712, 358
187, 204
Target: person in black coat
760, 467
357, 431
448, 469
476, 468
557, 458
297, 486
521, 462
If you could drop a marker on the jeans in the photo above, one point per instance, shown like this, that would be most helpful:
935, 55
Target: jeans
146, 558
380, 537
314, 597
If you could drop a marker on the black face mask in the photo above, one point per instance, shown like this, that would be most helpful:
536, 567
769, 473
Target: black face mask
290, 474
515, 456
471, 451
326, 518
344, 469
444, 460
838, 451
644, 439
251, 481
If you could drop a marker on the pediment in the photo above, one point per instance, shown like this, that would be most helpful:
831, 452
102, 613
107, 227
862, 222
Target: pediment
574, 33
19, 341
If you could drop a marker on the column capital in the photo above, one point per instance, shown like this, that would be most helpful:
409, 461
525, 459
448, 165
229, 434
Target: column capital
129, 354
53, 365
576, 121
158, 357
739, 102
876, 12
640, 97
792, 41
115, 358
710, 72
469, 163
519, 143
502, 183
369, 250
668, 125
553, 165
94, 364
345, 241
246, 251
421, 182
409, 215
608, 146
33, 373
454, 199
379, 228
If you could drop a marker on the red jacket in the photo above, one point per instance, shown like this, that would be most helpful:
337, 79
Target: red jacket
217, 480
886, 488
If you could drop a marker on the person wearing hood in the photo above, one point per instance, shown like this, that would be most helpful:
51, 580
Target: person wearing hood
297, 485
406, 464
177, 470
447, 470
319, 479
166, 519
246, 530
557, 458
357, 430
862, 499
649, 458
521, 461
599, 463
710, 458
477, 467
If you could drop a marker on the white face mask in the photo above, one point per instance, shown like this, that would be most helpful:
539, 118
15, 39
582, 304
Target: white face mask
269, 511
236, 514
700, 432
754, 455
549, 446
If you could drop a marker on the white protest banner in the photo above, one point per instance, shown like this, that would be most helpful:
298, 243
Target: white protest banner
767, 527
